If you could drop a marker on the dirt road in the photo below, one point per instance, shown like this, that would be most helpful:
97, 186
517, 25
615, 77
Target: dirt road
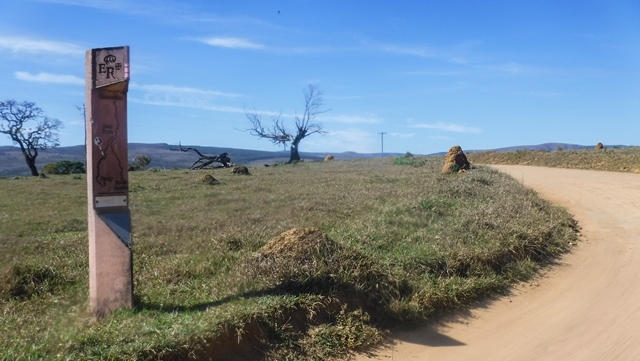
587, 308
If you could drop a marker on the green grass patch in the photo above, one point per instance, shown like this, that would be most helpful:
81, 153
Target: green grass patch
407, 243
409, 159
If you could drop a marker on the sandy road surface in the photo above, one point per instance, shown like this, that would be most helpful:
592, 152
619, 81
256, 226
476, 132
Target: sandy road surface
587, 308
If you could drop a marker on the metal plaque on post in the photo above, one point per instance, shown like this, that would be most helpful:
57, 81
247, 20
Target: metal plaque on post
110, 244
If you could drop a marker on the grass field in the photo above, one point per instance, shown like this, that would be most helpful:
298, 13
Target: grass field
612, 159
406, 244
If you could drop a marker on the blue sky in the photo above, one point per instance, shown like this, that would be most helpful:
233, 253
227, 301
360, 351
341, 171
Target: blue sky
430, 74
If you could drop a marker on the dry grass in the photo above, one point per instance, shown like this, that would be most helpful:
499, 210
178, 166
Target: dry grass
406, 243
613, 159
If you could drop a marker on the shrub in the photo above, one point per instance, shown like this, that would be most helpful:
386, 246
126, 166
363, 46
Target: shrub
409, 159
139, 162
64, 167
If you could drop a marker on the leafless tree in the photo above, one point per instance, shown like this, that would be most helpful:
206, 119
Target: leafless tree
305, 124
31, 138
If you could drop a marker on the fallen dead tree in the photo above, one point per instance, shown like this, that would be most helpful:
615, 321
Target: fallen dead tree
205, 161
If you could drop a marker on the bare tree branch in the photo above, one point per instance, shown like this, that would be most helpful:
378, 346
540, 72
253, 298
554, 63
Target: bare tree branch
43, 134
205, 160
305, 125
276, 135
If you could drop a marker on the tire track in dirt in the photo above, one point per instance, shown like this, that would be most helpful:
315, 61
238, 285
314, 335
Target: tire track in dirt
586, 308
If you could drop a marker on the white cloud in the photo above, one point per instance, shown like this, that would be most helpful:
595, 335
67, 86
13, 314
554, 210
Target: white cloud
420, 51
184, 97
184, 103
353, 140
162, 11
447, 127
37, 46
172, 89
233, 43
49, 78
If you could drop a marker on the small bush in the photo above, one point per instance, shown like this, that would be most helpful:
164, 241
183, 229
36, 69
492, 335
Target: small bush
65, 167
409, 159
139, 162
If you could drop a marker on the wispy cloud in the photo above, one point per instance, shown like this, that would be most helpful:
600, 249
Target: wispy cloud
184, 97
421, 51
543, 94
230, 42
98, 4
510, 69
455, 53
49, 78
182, 103
162, 11
447, 127
354, 140
434, 73
172, 89
38, 46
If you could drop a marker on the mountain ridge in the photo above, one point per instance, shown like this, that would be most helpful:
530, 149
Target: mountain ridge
12, 162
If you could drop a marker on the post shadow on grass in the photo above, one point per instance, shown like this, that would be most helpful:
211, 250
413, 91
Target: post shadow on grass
372, 301
141, 306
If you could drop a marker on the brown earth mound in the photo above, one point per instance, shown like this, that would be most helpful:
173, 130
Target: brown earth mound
455, 161
328, 158
208, 178
300, 243
240, 170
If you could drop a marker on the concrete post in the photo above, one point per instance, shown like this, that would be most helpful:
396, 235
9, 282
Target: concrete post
110, 244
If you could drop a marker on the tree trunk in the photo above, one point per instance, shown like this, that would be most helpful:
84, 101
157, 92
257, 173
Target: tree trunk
295, 156
31, 162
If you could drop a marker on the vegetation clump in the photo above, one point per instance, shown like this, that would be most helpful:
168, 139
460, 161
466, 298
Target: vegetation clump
606, 159
139, 162
409, 159
65, 167
307, 262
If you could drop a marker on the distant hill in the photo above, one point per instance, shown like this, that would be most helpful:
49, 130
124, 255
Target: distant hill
551, 147
12, 162
546, 146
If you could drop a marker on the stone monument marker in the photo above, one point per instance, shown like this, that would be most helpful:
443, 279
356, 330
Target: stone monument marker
110, 245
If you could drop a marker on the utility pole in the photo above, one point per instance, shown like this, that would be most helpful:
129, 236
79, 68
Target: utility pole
382, 144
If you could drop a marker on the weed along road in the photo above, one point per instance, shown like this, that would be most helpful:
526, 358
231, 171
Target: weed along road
585, 308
